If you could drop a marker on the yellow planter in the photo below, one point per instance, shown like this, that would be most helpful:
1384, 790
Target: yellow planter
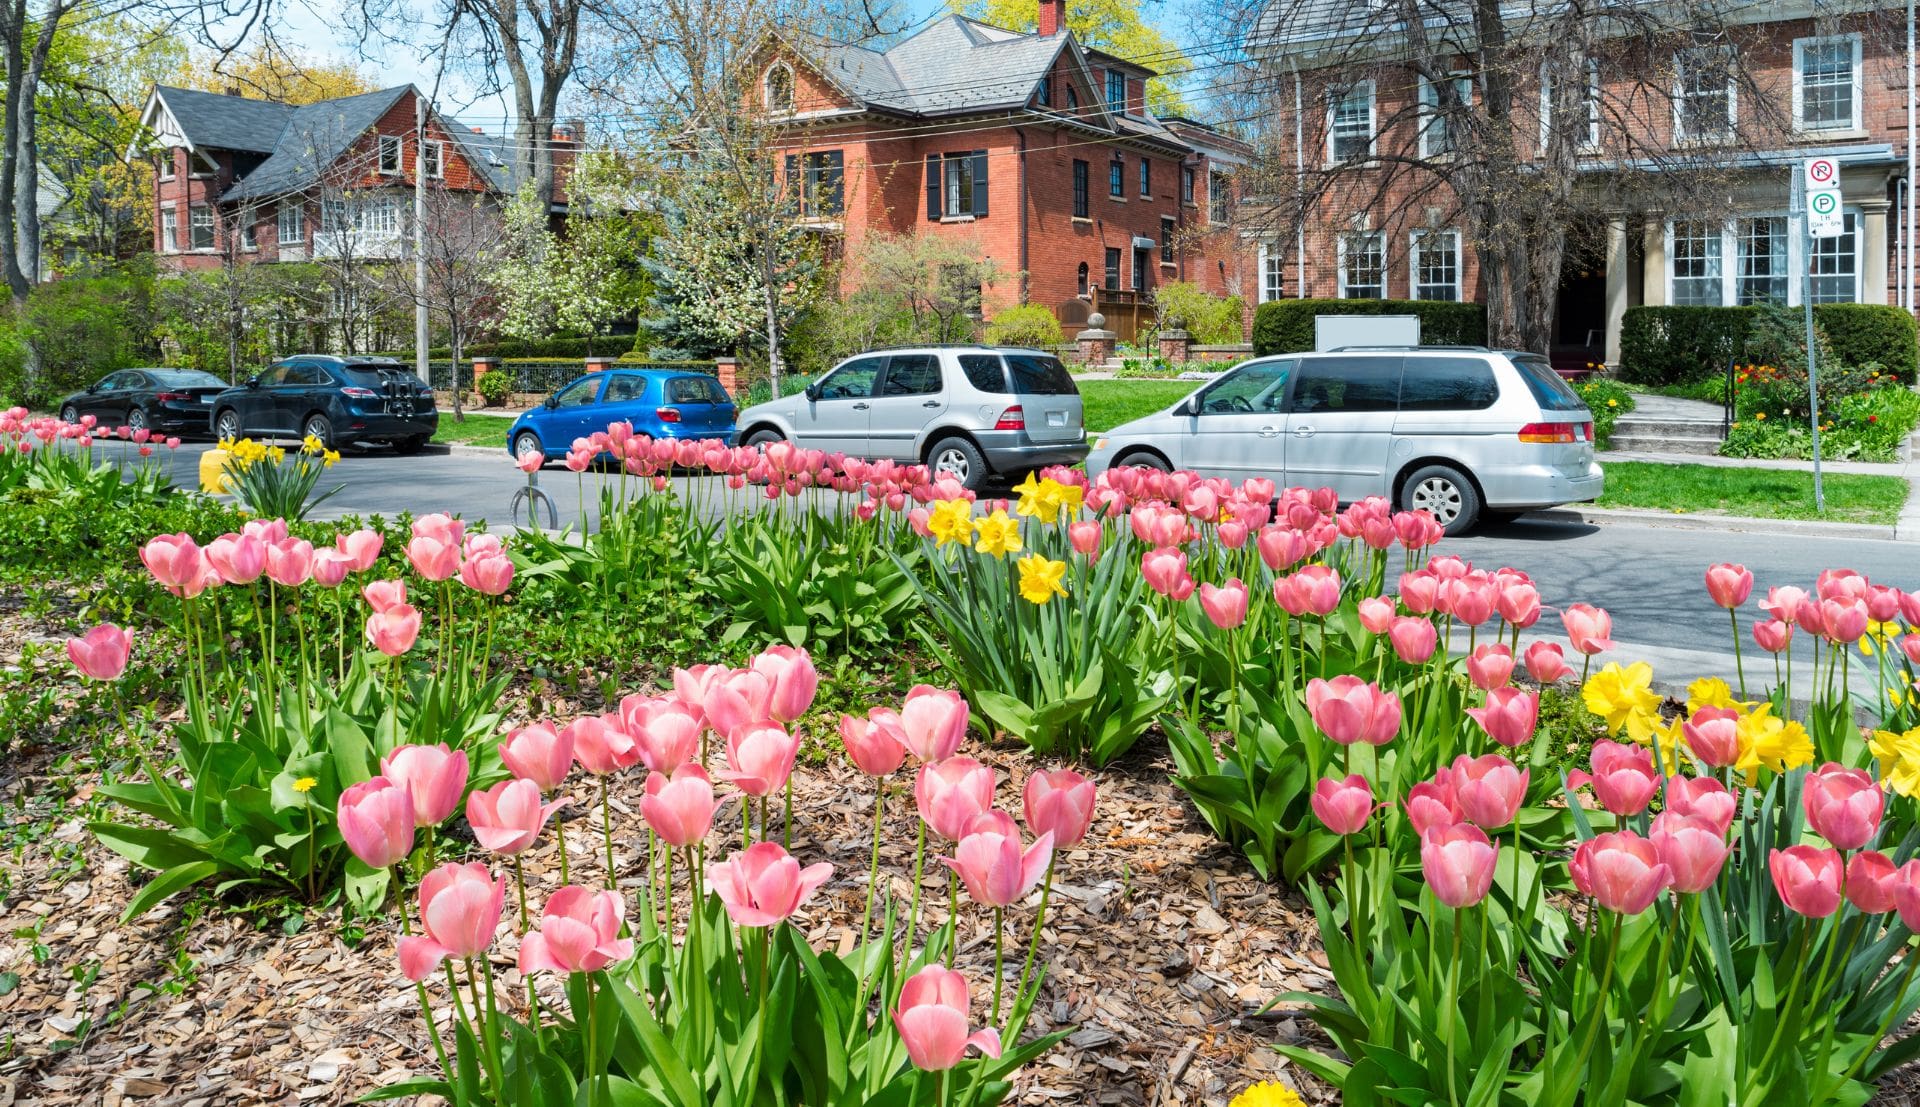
214, 478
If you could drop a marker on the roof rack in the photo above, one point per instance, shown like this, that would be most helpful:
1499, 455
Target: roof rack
1404, 346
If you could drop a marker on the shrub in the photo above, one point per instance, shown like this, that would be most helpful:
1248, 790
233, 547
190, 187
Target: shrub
494, 388
1863, 334
1680, 345
1684, 345
1210, 320
1025, 325
1281, 326
1608, 399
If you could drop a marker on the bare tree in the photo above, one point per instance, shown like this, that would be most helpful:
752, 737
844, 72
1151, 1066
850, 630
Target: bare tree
462, 237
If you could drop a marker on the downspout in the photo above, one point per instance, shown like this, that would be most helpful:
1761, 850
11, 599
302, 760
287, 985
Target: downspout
1299, 174
1024, 282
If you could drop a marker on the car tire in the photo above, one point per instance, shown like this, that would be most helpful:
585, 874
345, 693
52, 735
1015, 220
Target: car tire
960, 459
137, 419
318, 426
527, 442
1143, 459
409, 446
763, 438
226, 425
1445, 493
69, 414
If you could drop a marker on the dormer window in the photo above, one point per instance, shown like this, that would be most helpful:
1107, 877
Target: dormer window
1116, 90
778, 90
1073, 99
1044, 97
389, 154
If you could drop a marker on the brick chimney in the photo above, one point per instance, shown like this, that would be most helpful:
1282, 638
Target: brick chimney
1053, 17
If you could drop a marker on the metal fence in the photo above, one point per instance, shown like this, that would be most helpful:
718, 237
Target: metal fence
545, 375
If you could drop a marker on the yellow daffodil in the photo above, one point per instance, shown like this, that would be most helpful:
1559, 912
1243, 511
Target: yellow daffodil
305, 784
1268, 1094
1670, 739
311, 444
328, 458
1878, 636
1712, 692
1777, 744
951, 521
1034, 502
1899, 756
1040, 578
999, 534
1069, 496
277, 453
1624, 697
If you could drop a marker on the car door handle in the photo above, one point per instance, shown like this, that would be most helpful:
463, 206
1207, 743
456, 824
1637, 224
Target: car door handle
1303, 432
930, 403
1269, 432
860, 407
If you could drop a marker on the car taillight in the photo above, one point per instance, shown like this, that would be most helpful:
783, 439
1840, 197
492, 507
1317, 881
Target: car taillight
360, 393
172, 397
668, 414
1547, 432
1586, 431
1012, 419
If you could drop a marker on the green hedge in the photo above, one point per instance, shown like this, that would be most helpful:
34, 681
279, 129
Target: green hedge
1281, 326
1683, 345
576, 348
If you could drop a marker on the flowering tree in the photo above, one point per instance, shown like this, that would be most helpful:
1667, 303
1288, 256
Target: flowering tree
588, 275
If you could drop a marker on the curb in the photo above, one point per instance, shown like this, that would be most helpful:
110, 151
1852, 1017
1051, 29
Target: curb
471, 451
1806, 528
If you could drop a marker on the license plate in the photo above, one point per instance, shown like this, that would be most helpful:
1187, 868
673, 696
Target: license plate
1056, 418
206, 399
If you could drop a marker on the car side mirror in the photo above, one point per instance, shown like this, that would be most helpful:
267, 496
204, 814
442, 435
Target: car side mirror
253, 381
813, 391
553, 402
1190, 406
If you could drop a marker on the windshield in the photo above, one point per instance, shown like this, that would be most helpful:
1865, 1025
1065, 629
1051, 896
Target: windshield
1550, 390
185, 378
376, 375
1040, 375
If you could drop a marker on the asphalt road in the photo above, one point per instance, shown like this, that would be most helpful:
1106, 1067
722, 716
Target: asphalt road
1648, 577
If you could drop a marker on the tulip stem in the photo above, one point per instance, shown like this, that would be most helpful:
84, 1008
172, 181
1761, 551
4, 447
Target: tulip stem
493, 1023
953, 916
919, 860
1801, 951
606, 829
787, 841
560, 839
873, 866
520, 884
592, 1046
999, 959
1739, 665
669, 896
1453, 1001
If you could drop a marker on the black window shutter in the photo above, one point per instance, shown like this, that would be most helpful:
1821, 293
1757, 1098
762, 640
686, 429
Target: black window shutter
933, 186
979, 182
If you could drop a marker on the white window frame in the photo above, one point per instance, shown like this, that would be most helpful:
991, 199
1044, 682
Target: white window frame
166, 170
388, 144
1340, 248
249, 223
436, 159
378, 215
169, 229
297, 224
1414, 244
1854, 121
1273, 273
1591, 143
1219, 198
1680, 133
766, 89
1796, 263
1373, 121
213, 230
1431, 123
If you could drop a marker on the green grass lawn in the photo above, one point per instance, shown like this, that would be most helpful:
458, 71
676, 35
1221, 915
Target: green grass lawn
1108, 404
1761, 493
475, 430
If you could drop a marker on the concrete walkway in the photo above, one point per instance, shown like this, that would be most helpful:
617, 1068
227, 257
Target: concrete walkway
1652, 407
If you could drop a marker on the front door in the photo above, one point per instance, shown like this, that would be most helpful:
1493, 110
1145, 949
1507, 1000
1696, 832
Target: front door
1340, 423
909, 397
1239, 431
836, 418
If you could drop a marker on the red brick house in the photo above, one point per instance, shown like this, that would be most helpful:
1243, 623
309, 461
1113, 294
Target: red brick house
280, 182
1038, 148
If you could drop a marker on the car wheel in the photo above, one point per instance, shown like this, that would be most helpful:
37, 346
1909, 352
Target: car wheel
527, 442
1143, 459
321, 427
959, 459
1444, 493
764, 438
136, 419
226, 426
69, 414
411, 445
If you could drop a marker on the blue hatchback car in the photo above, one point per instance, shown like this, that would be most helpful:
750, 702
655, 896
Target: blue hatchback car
661, 403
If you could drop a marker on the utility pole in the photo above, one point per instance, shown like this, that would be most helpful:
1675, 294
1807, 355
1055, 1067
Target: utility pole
420, 339
1906, 283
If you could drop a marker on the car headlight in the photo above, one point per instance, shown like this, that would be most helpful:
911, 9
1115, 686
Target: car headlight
1099, 443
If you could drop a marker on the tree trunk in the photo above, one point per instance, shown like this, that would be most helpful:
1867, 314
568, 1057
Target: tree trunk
27, 164
455, 338
772, 294
12, 31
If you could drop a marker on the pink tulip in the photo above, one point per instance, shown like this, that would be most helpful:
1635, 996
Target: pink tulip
579, 932
433, 559
1783, 603
1312, 590
1692, 849
1906, 894
1163, 569
665, 731
1085, 538
509, 816
995, 871
1702, 797
692, 686
1376, 614
932, 1020
1713, 734
793, 678
442, 528
951, 794
102, 653
290, 562
238, 558
1545, 662
1843, 805
1728, 584
330, 567
601, 747
1343, 806
876, 744
679, 807
1519, 603
363, 546
737, 700
1470, 600
1845, 620
394, 630
1432, 804
384, 594
175, 562
1281, 547
933, 722
1059, 803
490, 576
1623, 777
760, 758
1490, 667
1458, 863
1871, 881
1226, 605
459, 910
535, 752
1808, 879
1834, 584
762, 885
1489, 789
1620, 870
376, 819
435, 775
1414, 638
1348, 710
1509, 717
1589, 628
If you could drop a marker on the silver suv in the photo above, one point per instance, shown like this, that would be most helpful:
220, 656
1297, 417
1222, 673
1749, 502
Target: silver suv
968, 412
1463, 432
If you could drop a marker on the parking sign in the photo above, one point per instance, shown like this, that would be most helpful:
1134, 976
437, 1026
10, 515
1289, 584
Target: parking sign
1824, 217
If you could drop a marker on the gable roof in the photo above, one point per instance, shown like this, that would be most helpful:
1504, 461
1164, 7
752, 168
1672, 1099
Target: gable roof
214, 119
953, 65
314, 137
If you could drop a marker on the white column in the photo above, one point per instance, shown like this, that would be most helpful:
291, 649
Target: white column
1873, 253
1616, 285
1653, 265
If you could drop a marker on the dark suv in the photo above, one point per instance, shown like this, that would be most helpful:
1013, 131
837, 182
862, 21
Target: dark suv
342, 401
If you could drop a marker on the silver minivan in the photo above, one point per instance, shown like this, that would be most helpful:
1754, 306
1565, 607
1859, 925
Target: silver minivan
1463, 432
968, 412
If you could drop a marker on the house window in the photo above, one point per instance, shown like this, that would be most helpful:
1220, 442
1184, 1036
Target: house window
1836, 266
1350, 123
956, 185
1080, 170
249, 229
1761, 260
1437, 114
1113, 268
292, 224
1073, 98
1363, 266
1167, 231
333, 217
1186, 184
1703, 108
200, 227
1116, 90
436, 160
1080, 280
1044, 97
1219, 199
165, 170
389, 154
1589, 105
821, 178
380, 216
777, 92
1696, 257
1826, 83
1140, 267
1273, 272
1117, 178
169, 230
1146, 178
1435, 260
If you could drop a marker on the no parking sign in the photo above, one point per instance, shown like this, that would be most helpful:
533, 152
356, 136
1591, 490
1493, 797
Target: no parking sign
1824, 217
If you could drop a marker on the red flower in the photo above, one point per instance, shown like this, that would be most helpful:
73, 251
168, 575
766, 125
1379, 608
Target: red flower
1873, 418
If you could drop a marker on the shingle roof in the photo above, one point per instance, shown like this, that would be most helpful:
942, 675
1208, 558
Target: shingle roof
956, 64
313, 138
226, 122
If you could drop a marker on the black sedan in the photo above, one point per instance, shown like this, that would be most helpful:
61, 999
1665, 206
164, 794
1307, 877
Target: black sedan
342, 401
163, 401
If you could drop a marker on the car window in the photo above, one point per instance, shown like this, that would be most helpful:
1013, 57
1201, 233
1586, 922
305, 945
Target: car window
626, 389
715, 393
185, 378
692, 390
1040, 375
1447, 384
912, 375
1341, 384
985, 372
852, 381
274, 374
134, 380
1549, 388
304, 375
110, 382
578, 394
1257, 386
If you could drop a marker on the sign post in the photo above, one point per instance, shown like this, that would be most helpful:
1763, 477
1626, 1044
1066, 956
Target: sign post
1819, 187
